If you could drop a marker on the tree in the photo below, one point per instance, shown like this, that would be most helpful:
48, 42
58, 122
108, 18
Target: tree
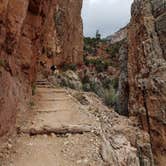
98, 35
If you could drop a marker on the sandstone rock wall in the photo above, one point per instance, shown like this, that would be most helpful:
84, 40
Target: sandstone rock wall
62, 33
34, 34
147, 71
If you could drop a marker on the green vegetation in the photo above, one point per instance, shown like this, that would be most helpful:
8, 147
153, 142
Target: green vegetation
110, 97
103, 85
71, 66
98, 35
86, 79
58, 17
115, 83
90, 45
113, 49
86, 87
100, 64
2, 63
31, 104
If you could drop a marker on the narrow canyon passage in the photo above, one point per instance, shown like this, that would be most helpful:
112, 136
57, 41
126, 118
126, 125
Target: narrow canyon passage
75, 95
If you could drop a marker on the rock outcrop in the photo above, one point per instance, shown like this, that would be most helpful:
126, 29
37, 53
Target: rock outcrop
118, 36
147, 71
34, 34
123, 88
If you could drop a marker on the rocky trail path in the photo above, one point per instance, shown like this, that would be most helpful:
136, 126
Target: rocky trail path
71, 128
59, 132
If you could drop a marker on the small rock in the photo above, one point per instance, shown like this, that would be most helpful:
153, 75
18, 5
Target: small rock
91, 140
45, 135
9, 146
68, 134
97, 119
66, 143
85, 161
53, 135
79, 161
9, 140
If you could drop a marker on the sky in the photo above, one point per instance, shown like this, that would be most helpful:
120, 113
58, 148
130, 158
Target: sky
107, 16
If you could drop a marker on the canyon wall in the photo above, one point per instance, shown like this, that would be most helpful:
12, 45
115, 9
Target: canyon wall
34, 34
147, 71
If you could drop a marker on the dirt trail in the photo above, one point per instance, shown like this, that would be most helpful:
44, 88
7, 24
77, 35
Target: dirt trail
59, 132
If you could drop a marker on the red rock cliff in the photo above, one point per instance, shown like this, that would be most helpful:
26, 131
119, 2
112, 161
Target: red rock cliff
147, 71
34, 33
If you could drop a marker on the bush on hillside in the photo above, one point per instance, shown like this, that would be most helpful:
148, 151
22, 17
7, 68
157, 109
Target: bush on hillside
99, 64
71, 66
110, 97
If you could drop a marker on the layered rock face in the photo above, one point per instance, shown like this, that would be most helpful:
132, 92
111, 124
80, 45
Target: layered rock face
62, 32
34, 34
118, 36
147, 71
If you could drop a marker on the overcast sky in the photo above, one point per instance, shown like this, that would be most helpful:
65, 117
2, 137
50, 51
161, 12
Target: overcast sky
107, 16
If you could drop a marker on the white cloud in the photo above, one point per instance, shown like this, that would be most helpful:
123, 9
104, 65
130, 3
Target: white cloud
106, 15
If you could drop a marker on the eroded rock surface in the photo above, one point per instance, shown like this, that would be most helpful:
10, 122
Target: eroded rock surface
118, 36
147, 71
34, 34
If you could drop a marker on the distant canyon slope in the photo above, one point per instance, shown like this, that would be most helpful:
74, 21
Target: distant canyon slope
117, 36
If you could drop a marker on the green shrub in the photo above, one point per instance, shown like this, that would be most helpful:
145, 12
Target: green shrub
58, 15
107, 82
108, 50
113, 50
90, 41
115, 83
89, 49
66, 67
31, 104
99, 64
102, 66
86, 87
3, 63
110, 97
96, 87
90, 45
86, 79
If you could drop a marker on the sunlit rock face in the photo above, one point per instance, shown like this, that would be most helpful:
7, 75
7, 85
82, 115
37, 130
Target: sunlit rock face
147, 71
34, 34
118, 36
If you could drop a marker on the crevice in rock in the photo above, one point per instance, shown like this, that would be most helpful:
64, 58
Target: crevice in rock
34, 6
144, 93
